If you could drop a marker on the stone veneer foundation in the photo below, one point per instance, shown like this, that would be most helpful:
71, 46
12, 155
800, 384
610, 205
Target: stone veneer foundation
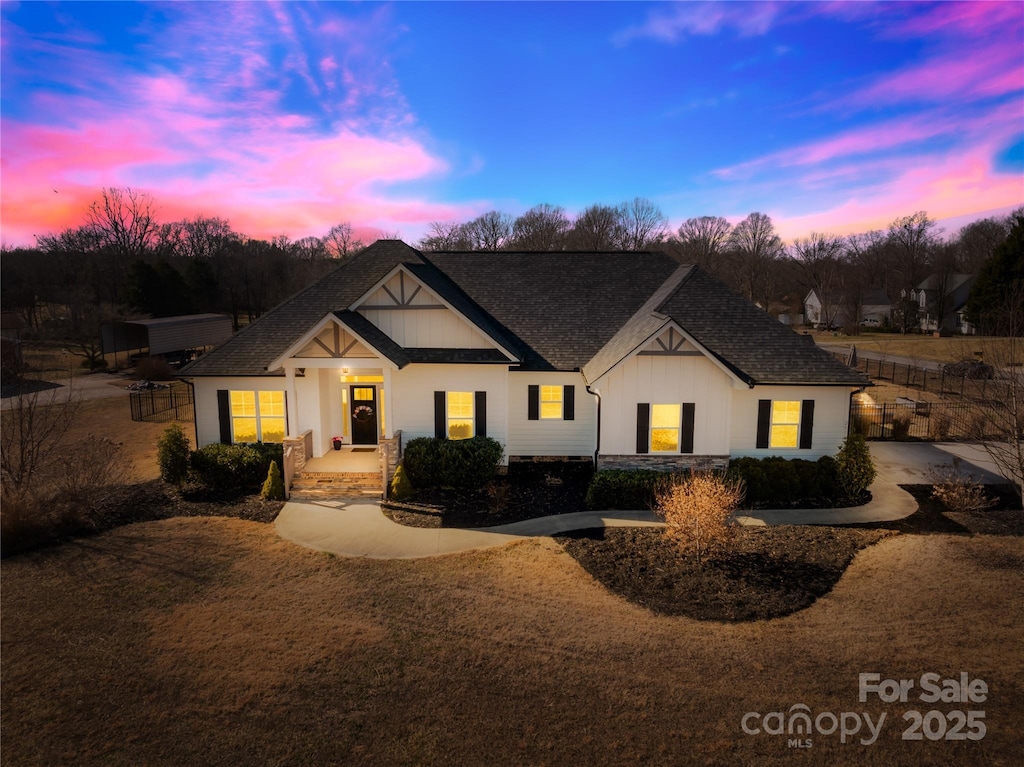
664, 462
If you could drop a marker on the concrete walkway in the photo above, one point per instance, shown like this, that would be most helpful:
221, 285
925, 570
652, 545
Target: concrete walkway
358, 528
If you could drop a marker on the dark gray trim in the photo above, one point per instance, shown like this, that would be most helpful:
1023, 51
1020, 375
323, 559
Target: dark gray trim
569, 403
224, 415
533, 402
764, 422
686, 433
480, 414
398, 307
643, 427
669, 354
806, 424
440, 420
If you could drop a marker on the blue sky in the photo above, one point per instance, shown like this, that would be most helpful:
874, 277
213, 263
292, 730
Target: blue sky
289, 117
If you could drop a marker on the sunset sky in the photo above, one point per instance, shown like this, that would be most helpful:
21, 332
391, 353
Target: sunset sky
286, 118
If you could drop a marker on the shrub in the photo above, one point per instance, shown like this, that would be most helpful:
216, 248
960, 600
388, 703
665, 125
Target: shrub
233, 467
901, 427
400, 488
88, 470
172, 453
468, 463
855, 471
938, 427
957, 490
828, 477
775, 480
783, 482
697, 509
273, 487
625, 488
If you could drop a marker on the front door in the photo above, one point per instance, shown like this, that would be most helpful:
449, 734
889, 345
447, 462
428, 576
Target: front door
364, 414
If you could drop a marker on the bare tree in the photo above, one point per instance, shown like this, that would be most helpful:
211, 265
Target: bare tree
977, 241
206, 238
757, 248
702, 241
446, 235
643, 224
912, 239
34, 424
491, 231
341, 242
598, 227
821, 270
542, 227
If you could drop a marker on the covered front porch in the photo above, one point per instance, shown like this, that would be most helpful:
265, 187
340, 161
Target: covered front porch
350, 471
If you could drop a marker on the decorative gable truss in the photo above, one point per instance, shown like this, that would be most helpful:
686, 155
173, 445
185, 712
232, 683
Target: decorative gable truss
334, 342
671, 343
414, 316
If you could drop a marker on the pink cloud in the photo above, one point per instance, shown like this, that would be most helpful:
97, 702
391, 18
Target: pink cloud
961, 184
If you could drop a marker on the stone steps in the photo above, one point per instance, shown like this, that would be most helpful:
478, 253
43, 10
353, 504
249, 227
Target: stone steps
327, 485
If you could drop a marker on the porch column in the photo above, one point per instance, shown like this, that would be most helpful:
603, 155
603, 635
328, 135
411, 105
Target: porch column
293, 401
389, 411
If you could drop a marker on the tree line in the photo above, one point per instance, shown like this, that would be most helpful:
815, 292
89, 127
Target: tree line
122, 262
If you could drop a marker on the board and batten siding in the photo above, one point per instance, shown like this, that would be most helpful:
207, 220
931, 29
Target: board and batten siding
415, 318
550, 437
665, 380
413, 390
831, 416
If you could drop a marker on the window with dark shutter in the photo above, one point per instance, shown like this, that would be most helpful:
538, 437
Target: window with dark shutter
533, 403
569, 414
224, 415
480, 413
440, 420
806, 424
686, 437
764, 419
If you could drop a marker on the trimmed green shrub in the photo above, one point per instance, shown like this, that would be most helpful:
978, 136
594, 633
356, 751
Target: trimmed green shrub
400, 488
855, 470
776, 480
273, 487
626, 488
828, 476
469, 463
172, 455
234, 467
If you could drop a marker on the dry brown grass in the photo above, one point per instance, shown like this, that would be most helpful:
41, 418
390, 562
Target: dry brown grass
920, 347
213, 642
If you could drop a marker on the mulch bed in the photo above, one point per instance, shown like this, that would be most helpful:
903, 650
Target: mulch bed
767, 572
528, 491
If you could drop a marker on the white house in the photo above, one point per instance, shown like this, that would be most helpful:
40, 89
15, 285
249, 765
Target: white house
627, 359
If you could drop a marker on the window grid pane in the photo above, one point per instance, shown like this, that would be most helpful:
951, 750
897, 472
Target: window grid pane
460, 414
273, 429
667, 416
272, 403
243, 403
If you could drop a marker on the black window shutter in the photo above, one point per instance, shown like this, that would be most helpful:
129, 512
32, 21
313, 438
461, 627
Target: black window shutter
686, 437
569, 403
643, 425
533, 403
806, 424
224, 414
480, 413
764, 421
439, 416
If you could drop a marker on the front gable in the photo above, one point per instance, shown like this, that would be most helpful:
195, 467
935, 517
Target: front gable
415, 316
671, 343
333, 342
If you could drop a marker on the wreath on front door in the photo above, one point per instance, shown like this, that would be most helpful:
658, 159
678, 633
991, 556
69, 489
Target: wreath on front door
362, 413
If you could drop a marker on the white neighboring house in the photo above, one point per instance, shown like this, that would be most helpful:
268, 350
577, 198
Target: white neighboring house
875, 310
626, 359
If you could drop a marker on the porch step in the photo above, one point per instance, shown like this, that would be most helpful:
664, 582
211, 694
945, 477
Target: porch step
320, 485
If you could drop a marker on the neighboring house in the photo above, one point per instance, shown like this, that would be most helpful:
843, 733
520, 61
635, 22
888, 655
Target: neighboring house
874, 305
942, 300
629, 359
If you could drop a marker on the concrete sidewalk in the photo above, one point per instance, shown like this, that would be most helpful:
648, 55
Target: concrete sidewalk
359, 528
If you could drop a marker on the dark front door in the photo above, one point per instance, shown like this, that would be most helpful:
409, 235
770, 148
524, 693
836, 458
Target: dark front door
364, 414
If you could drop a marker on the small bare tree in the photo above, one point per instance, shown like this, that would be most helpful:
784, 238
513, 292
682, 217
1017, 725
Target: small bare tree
643, 224
821, 270
341, 242
33, 427
703, 241
698, 509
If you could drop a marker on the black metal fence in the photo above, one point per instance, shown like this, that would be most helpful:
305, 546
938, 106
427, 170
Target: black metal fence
172, 404
928, 380
934, 421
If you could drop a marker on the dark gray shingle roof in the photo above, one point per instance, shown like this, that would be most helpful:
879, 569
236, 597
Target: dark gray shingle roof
553, 311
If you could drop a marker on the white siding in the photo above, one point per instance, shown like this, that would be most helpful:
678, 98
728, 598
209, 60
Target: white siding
665, 380
831, 413
427, 328
548, 436
413, 390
